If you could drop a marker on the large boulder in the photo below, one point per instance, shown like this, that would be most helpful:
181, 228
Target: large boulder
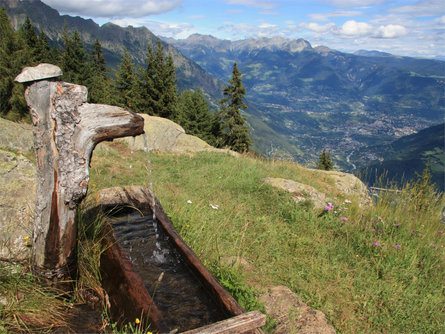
165, 135
292, 315
17, 198
336, 184
17, 189
15, 136
350, 185
300, 192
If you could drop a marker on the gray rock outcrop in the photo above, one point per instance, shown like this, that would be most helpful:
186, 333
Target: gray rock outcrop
300, 192
292, 315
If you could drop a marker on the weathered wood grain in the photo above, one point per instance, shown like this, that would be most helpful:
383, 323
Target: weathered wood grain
244, 323
66, 129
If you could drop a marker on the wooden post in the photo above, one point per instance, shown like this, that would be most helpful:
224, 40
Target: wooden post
66, 129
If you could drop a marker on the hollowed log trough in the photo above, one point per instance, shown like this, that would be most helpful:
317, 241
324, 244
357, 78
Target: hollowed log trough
129, 299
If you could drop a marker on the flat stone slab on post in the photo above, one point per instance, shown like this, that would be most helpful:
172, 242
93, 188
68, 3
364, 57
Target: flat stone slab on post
66, 129
39, 72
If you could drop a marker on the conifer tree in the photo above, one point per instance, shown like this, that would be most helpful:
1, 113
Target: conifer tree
74, 59
99, 84
195, 116
125, 83
157, 84
325, 161
44, 51
234, 130
29, 36
6, 50
13, 57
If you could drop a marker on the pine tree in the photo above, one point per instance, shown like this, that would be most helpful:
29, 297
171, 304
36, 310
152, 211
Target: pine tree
74, 59
125, 83
44, 51
325, 161
14, 55
29, 36
6, 51
157, 84
195, 116
235, 132
99, 84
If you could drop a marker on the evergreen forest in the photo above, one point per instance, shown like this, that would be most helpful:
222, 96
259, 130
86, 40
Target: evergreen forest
149, 89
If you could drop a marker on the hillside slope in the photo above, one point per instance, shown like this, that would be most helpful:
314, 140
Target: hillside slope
406, 157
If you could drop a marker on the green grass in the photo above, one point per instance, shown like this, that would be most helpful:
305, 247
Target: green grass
333, 264
27, 305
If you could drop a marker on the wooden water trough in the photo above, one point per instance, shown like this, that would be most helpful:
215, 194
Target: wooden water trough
129, 298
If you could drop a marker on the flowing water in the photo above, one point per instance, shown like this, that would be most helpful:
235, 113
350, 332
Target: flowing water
150, 176
177, 293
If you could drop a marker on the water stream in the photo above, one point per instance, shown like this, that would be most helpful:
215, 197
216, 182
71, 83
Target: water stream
176, 291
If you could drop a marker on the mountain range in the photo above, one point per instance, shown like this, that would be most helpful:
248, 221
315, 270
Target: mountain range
300, 98
323, 98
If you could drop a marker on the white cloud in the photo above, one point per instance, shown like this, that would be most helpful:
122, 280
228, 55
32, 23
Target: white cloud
317, 27
337, 13
270, 12
262, 4
114, 8
243, 30
175, 30
353, 29
355, 3
422, 8
390, 31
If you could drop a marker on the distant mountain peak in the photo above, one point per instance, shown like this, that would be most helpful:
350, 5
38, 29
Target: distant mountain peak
274, 43
371, 53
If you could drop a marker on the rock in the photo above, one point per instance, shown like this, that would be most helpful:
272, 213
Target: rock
300, 192
15, 136
165, 135
337, 183
292, 315
39, 72
17, 197
350, 185
237, 262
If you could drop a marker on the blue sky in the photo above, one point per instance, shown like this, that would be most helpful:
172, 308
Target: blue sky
408, 28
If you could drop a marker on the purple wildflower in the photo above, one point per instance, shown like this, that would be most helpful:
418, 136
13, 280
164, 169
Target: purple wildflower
344, 219
380, 231
440, 231
398, 246
376, 244
329, 207
372, 229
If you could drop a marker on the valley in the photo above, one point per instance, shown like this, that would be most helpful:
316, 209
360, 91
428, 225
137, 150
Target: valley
301, 99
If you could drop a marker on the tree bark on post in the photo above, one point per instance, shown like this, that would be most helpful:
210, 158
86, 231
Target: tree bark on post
66, 129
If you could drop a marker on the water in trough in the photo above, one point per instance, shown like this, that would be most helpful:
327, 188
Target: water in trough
178, 294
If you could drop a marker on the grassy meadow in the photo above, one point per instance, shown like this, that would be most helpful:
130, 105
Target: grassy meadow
371, 270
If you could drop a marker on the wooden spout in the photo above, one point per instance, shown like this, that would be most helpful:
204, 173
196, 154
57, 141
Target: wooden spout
66, 129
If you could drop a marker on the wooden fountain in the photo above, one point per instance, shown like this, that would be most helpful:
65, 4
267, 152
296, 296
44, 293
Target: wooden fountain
66, 130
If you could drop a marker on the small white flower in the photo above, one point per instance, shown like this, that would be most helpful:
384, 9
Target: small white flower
131, 166
347, 201
189, 202
214, 207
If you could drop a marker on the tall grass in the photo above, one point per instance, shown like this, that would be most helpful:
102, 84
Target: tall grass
378, 269
27, 305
